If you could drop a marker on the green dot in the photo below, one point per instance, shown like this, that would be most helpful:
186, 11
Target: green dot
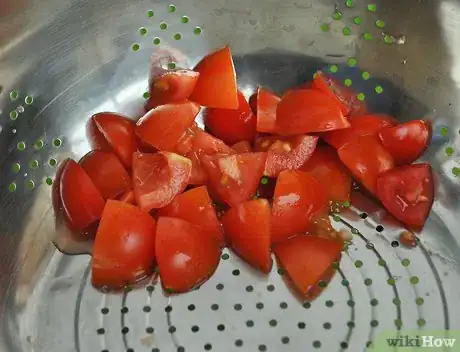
351, 324
346, 31
369, 344
12, 187
333, 68
421, 322
16, 168
184, 19
419, 301
49, 181
322, 284
163, 26
21, 146
14, 95
449, 151
368, 282
349, 3
391, 281
264, 180
29, 99
374, 323
380, 24
367, 36
348, 82
350, 303
361, 97
57, 142
171, 66
345, 282
357, 20
197, 30
13, 115
374, 302
150, 13
30, 184
372, 7
316, 344
337, 218
327, 326
53, 162
143, 31
365, 75
382, 262
352, 62
455, 171
398, 323
414, 280
307, 305
379, 89
405, 262
396, 301
177, 36
354, 231
172, 8
325, 27
337, 15
34, 164
388, 39
146, 95
135, 47
335, 265
156, 41
443, 131
329, 304
39, 144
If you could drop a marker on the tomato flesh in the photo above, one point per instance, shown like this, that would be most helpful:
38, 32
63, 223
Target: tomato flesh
127, 197
267, 102
242, 147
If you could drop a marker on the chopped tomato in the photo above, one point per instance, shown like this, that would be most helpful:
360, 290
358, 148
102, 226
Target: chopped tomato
117, 131
56, 188
196, 207
242, 147
366, 158
207, 144
198, 176
127, 197
285, 153
247, 230
407, 192
163, 126
216, 86
327, 168
80, 199
107, 173
267, 102
158, 178
184, 145
124, 249
406, 142
299, 198
308, 110
307, 260
359, 126
232, 125
234, 178
186, 255
172, 87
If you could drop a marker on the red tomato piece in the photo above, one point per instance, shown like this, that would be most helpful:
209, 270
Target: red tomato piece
359, 126
308, 110
247, 230
80, 199
299, 199
184, 145
267, 102
163, 126
117, 131
406, 142
407, 192
216, 86
286, 153
366, 158
186, 255
232, 125
107, 173
127, 197
328, 170
207, 144
242, 147
172, 87
124, 249
158, 178
234, 178
307, 260
196, 207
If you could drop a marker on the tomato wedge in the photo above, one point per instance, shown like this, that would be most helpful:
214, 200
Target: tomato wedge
184, 145
267, 102
158, 178
163, 126
124, 249
186, 255
196, 207
247, 230
307, 260
80, 199
232, 125
285, 153
234, 178
107, 173
308, 110
242, 147
366, 158
407, 192
112, 131
216, 86
299, 198
328, 170
172, 87
406, 142
127, 197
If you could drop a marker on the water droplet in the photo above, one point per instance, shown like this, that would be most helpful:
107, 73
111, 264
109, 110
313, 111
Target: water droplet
20, 109
369, 245
14, 130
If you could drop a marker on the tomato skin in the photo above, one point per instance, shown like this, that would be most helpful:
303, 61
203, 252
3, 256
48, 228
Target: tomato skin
184, 145
267, 102
195, 206
299, 198
306, 111
406, 142
163, 126
328, 170
285, 153
186, 255
366, 158
216, 86
232, 125
242, 147
81, 201
247, 229
407, 192
127, 197
107, 173
124, 249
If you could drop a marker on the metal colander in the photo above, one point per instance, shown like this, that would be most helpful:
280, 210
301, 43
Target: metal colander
63, 60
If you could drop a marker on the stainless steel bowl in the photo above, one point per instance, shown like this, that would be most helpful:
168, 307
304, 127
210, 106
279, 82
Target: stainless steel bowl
61, 61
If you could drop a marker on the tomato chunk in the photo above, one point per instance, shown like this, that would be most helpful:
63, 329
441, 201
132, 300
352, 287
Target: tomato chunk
232, 125
234, 178
184, 145
299, 198
307, 260
285, 153
216, 86
124, 249
163, 126
267, 102
127, 197
107, 173
196, 207
186, 255
366, 158
328, 170
407, 192
308, 110
158, 178
242, 147
406, 142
